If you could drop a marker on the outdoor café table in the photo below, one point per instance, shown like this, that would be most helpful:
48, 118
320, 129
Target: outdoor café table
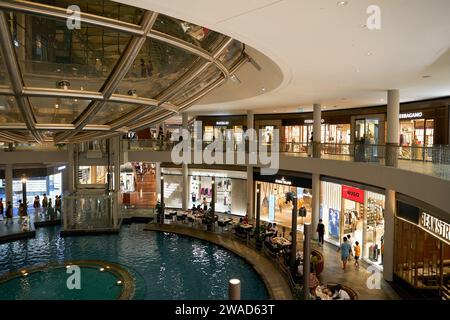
246, 228
281, 241
321, 294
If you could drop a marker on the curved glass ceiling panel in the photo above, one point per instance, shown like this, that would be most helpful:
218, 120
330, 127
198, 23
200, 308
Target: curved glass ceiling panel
157, 66
57, 110
4, 76
9, 111
49, 52
108, 9
112, 111
200, 36
232, 53
210, 75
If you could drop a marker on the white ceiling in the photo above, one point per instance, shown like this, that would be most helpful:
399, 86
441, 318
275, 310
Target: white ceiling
323, 51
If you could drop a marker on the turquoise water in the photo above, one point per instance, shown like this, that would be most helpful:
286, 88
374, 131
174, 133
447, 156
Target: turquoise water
52, 285
164, 266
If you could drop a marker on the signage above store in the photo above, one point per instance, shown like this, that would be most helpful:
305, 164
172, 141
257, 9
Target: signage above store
411, 115
222, 123
353, 194
311, 121
283, 181
437, 227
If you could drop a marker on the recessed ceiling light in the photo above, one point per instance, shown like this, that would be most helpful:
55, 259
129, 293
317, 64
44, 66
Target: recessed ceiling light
263, 89
426, 76
56, 106
369, 53
342, 3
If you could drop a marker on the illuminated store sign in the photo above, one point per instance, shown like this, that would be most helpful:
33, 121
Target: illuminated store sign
222, 123
283, 181
437, 227
411, 115
353, 194
311, 121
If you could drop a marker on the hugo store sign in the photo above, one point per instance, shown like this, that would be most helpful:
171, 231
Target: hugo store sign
353, 194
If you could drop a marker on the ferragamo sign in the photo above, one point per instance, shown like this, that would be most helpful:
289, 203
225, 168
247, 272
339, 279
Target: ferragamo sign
437, 227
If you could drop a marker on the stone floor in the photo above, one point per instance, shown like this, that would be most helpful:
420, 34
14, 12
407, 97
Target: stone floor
17, 225
352, 277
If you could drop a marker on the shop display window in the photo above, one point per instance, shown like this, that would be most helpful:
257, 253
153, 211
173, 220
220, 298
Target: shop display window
92, 174
374, 236
274, 207
331, 203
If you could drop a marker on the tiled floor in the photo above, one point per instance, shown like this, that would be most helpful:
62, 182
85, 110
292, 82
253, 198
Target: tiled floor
16, 226
355, 278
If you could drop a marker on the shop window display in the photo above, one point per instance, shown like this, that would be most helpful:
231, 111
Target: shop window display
92, 174
331, 211
275, 208
374, 236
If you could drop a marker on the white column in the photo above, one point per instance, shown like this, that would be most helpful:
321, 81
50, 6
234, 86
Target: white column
389, 223
71, 172
158, 180
9, 184
317, 128
315, 205
250, 204
393, 124
185, 169
117, 194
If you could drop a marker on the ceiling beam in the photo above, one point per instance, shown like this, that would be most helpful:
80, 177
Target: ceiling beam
11, 62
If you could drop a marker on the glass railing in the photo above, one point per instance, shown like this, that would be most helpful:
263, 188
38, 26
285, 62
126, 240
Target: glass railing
433, 160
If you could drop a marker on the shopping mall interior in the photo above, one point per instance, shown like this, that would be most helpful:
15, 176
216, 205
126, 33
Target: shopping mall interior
267, 150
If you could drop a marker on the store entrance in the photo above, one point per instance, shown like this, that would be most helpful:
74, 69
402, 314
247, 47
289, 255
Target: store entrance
367, 131
353, 221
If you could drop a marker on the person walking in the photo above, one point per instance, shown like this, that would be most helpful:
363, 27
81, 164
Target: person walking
1, 208
350, 242
345, 251
9, 212
205, 204
357, 253
321, 231
44, 204
57, 204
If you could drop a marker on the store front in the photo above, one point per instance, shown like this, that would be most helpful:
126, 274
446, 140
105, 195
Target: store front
138, 184
422, 251
231, 189
273, 205
230, 128
416, 135
348, 210
297, 133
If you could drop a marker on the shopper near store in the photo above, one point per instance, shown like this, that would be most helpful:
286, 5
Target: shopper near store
205, 204
21, 209
350, 242
321, 231
357, 250
1, 208
9, 212
345, 251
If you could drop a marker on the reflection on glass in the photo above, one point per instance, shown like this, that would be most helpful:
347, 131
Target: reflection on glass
197, 35
157, 66
210, 75
9, 112
4, 77
104, 8
92, 175
49, 52
232, 53
112, 111
57, 110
